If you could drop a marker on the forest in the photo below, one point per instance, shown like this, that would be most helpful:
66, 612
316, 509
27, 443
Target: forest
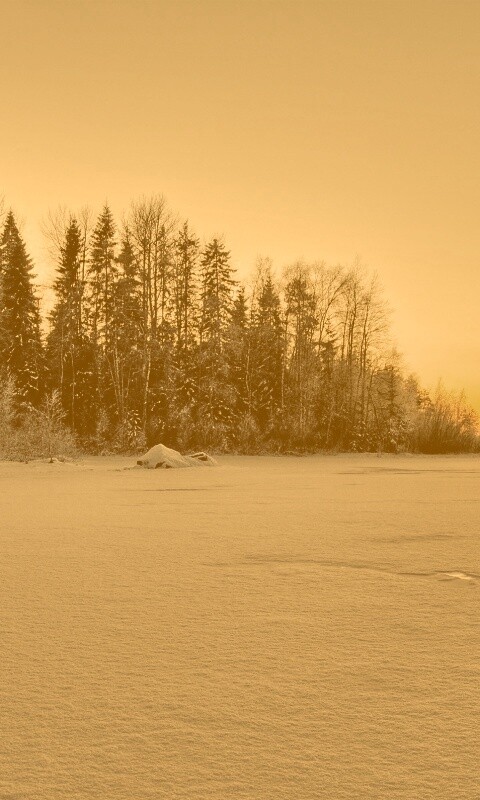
151, 337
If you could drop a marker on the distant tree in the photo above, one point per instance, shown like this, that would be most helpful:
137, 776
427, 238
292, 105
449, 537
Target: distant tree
152, 228
217, 396
216, 293
69, 352
102, 271
185, 284
237, 346
54, 228
303, 368
329, 283
267, 352
20, 341
123, 355
185, 299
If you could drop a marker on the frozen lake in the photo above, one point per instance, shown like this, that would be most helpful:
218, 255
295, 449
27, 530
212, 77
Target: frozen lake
271, 629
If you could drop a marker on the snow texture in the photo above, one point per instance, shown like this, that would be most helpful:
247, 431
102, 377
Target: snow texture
272, 629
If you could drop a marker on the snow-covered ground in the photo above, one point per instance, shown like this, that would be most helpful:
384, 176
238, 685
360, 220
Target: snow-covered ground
270, 629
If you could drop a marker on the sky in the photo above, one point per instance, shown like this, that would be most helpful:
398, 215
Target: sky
326, 130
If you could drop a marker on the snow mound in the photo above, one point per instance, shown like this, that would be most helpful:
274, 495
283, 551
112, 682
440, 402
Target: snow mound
161, 457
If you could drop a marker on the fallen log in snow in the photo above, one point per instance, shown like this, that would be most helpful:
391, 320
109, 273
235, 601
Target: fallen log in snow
161, 457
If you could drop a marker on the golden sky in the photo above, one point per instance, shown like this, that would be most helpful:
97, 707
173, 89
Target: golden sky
324, 130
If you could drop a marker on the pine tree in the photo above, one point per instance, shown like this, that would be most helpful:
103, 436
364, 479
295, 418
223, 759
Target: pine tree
123, 356
186, 263
162, 289
20, 341
102, 272
127, 305
185, 301
238, 352
69, 354
101, 277
304, 365
266, 367
216, 293
217, 396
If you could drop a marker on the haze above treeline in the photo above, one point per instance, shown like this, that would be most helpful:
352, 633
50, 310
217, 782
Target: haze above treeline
297, 128
151, 337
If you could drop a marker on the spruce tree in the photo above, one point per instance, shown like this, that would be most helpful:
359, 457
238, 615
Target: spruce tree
216, 293
69, 354
238, 352
185, 285
20, 341
217, 395
304, 365
123, 356
186, 264
127, 301
266, 363
102, 272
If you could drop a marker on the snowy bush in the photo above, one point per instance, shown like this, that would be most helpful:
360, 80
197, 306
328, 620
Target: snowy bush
446, 424
29, 432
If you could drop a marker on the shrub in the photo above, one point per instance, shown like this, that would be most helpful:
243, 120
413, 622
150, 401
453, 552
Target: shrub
29, 432
248, 437
446, 424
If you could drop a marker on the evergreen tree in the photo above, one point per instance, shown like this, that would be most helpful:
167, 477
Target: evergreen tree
123, 355
127, 305
238, 352
101, 278
20, 341
216, 293
102, 272
185, 284
217, 396
303, 370
69, 353
162, 288
186, 262
267, 354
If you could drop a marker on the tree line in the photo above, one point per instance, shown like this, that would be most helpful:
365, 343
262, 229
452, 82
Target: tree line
151, 337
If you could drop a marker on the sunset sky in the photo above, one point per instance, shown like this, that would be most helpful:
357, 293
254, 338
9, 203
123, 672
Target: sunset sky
322, 130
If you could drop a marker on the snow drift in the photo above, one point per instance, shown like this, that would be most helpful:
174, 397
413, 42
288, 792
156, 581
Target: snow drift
161, 457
